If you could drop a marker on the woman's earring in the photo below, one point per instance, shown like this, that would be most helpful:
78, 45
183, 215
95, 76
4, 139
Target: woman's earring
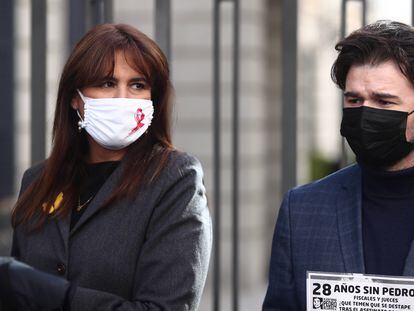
80, 122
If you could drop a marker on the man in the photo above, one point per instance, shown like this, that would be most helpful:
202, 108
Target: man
361, 218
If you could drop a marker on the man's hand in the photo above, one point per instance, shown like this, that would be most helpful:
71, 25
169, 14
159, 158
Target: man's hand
25, 288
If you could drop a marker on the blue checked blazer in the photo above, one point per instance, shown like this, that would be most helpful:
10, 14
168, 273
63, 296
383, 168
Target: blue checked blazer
319, 228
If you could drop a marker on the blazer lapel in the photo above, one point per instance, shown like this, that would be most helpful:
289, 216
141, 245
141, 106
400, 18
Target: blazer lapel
103, 194
64, 225
350, 227
409, 262
350, 222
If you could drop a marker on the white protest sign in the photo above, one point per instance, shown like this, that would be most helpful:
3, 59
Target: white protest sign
358, 292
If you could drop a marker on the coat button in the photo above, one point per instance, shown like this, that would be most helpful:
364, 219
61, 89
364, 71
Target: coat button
61, 269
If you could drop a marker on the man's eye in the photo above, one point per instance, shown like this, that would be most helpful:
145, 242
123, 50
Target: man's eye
354, 100
385, 103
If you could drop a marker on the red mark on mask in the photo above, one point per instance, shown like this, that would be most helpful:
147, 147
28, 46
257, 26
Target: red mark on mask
139, 117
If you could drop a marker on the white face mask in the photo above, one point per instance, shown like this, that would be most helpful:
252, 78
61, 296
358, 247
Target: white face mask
115, 123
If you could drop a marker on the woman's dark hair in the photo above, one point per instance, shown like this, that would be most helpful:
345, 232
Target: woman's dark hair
93, 61
374, 44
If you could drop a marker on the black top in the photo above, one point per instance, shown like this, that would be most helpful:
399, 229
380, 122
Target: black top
387, 219
96, 175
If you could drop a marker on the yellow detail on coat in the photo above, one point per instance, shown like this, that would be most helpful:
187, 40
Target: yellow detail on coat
55, 205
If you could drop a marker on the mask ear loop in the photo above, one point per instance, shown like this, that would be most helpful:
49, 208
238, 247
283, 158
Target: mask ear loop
81, 96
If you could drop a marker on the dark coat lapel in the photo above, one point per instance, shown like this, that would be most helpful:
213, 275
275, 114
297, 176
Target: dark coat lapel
350, 222
64, 225
102, 195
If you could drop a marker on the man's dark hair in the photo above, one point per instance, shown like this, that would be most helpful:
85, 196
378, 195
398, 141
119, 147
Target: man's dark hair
374, 44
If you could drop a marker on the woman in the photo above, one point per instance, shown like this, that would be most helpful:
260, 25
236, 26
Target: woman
115, 209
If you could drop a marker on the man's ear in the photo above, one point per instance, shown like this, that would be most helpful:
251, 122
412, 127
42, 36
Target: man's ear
409, 135
409, 132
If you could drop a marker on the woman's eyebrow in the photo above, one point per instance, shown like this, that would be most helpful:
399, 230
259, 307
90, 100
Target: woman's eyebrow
138, 79
133, 79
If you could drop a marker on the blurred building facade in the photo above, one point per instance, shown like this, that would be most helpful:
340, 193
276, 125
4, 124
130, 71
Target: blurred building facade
319, 107
192, 74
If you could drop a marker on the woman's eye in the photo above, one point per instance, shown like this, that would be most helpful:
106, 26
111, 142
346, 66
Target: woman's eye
108, 84
138, 85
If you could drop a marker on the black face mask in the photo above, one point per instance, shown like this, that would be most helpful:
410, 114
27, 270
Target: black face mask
376, 136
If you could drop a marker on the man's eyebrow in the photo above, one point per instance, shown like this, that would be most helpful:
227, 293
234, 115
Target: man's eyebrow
384, 96
376, 95
351, 94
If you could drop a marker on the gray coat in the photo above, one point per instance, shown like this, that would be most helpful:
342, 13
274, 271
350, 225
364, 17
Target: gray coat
149, 253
